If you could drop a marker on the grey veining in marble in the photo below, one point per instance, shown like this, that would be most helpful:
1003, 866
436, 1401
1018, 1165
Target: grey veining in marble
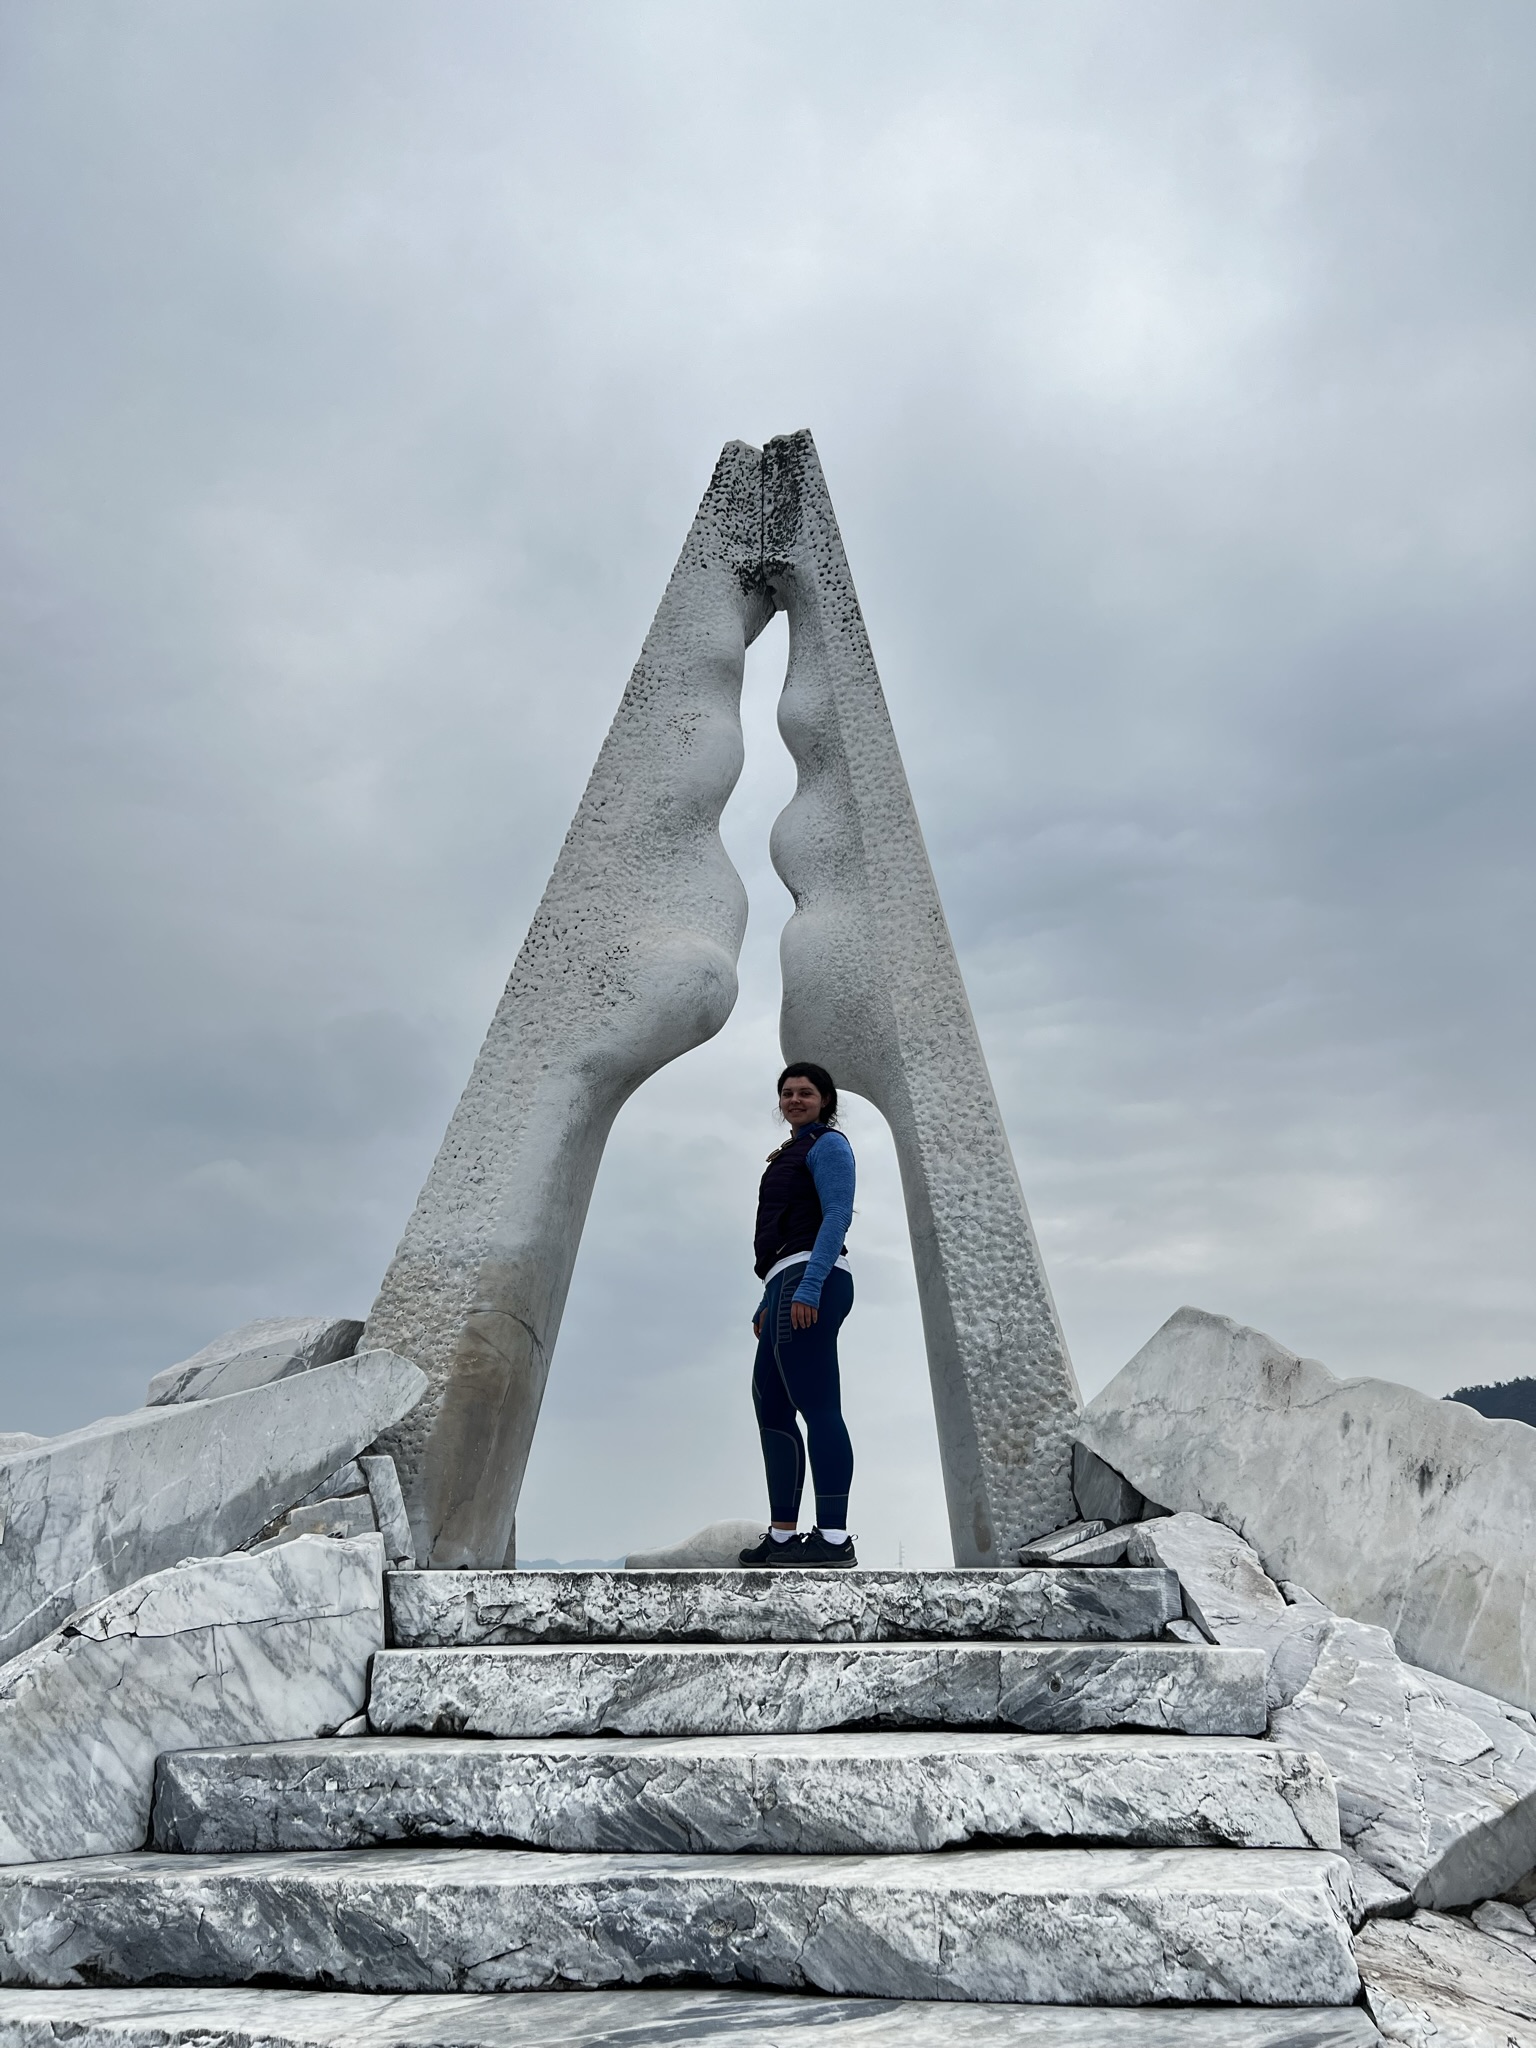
869, 1793
221, 1649
196, 2018
1056, 1926
1437, 1982
1395, 1508
761, 1689
90, 1512
446, 1610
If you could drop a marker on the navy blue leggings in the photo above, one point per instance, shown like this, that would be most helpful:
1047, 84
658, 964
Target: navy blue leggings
796, 1373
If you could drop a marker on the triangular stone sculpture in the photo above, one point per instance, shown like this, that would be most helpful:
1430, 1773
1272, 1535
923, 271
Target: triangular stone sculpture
631, 960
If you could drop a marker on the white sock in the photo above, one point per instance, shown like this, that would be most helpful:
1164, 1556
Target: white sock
835, 1535
783, 1535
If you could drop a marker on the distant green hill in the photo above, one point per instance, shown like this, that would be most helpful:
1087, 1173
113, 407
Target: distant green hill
1510, 1401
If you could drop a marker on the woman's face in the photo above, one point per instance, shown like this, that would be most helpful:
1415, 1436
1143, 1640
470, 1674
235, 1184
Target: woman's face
799, 1101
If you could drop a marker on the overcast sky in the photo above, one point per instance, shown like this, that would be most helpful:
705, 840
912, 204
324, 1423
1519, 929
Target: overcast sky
1172, 369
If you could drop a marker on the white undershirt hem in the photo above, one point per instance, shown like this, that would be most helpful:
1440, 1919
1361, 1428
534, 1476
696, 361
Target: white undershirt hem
800, 1259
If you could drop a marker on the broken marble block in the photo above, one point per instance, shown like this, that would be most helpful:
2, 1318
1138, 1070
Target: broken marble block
1436, 1782
254, 1356
1230, 1597
85, 1514
1102, 1495
1408, 1512
1438, 1982
720, 1543
388, 1498
216, 1650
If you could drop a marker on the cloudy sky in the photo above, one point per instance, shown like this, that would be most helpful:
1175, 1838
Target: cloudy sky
1172, 369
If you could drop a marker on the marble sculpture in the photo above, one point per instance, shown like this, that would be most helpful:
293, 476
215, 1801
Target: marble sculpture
631, 961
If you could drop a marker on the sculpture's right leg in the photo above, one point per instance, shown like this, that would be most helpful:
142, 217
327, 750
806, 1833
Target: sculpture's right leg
630, 960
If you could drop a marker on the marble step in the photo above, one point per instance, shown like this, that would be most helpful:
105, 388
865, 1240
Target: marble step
462, 1610
762, 1689
870, 1793
1046, 1926
641, 2019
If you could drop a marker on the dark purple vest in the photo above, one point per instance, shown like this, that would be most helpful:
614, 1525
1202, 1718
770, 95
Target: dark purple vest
788, 1206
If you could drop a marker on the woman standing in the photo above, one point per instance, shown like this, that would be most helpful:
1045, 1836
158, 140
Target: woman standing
804, 1207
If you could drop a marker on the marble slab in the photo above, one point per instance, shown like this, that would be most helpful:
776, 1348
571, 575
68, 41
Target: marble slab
443, 1610
254, 1356
1437, 1982
215, 1650
760, 1689
88, 1513
871, 1793
1050, 1926
640, 2019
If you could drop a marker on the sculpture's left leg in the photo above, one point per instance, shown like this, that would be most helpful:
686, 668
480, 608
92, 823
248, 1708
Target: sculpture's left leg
630, 960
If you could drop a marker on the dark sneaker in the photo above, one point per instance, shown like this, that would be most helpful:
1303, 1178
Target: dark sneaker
772, 1554
815, 1549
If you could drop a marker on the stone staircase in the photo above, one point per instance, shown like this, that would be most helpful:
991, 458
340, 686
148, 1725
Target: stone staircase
957, 1808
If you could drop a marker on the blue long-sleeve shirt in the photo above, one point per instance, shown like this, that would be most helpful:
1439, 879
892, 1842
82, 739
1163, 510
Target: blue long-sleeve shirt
831, 1162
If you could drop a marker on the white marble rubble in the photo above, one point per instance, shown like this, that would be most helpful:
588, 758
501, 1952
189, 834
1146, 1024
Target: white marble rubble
215, 1650
1436, 1782
88, 1513
1438, 1982
1042, 1549
759, 1689
1257, 1926
873, 990
869, 1793
717, 1546
462, 1610
384, 1490
200, 2018
254, 1356
1109, 1547
630, 961
1230, 1597
1407, 1512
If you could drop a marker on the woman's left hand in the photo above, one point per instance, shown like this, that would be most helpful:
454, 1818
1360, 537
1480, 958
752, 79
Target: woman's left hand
801, 1315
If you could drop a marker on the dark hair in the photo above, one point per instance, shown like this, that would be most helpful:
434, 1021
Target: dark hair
820, 1080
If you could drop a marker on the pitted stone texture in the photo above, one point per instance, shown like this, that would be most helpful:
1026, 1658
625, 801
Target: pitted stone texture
195, 2018
873, 990
1435, 1982
701, 1689
88, 1513
1436, 1782
254, 1356
630, 960
1403, 1511
227, 1649
1073, 1926
1232, 1600
447, 1610
830, 1795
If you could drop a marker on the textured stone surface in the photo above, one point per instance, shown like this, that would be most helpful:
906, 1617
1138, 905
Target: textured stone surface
629, 961
702, 1689
1411, 1513
718, 1545
1435, 1982
873, 990
1231, 1599
1263, 1926
808, 1794
195, 2018
88, 1513
228, 1649
447, 1610
254, 1356
1436, 1783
